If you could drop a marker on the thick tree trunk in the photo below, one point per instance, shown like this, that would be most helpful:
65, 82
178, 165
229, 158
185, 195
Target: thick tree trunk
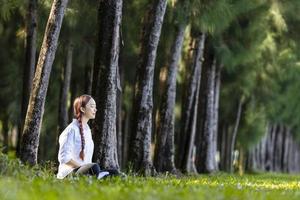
189, 119
30, 59
106, 63
35, 111
63, 118
140, 155
205, 158
164, 150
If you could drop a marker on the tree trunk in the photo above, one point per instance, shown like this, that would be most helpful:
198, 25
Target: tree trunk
63, 111
30, 59
290, 155
106, 63
285, 150
205, 158
217, 85
164, 150
223, 146
277, 150
234, 134
125, 136
5, 135
74, 94
188, 128
63, 118
120, 141
140, 155
35, 111
88, 79
269, 150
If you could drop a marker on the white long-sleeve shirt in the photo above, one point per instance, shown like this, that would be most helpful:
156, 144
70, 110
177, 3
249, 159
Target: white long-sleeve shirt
70, 147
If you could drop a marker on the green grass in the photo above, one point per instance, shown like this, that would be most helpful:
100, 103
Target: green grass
22, 182
220, 186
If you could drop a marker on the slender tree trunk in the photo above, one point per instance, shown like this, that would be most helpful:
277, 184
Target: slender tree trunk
35, 111
272, 143
269, 155
63, 118
5, 135
164, 150
188, 128
234, 134
140, 155
63, 111
125, 137
88, 78
285, 147
222, 146
30, 59
120, 116
74, 94
106, 63
277, 150
290, 154
217, 82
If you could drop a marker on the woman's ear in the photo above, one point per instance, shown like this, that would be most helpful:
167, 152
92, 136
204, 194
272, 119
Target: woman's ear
82, 109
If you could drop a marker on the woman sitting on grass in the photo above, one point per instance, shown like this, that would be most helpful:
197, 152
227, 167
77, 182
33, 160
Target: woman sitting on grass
76, 145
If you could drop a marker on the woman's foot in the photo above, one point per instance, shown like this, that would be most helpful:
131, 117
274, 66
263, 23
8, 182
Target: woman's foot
102, 174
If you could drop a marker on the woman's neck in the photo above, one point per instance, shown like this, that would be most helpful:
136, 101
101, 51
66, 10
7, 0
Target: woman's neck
84, 120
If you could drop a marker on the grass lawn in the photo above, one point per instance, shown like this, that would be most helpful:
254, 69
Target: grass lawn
219, 186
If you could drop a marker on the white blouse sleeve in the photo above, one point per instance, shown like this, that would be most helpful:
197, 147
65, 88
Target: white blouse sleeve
66, 144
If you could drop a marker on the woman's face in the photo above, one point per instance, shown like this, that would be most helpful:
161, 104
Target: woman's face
90, 109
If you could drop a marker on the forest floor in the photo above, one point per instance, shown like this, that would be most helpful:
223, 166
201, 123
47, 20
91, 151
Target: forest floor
221, 186
39, 183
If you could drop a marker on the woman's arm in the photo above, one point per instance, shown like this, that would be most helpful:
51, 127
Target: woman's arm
73, 163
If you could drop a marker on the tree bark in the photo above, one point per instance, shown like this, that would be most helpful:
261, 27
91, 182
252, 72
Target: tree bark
30, 60
277, 150
63, 111
217, 85
63, 118
189, 119
35, 111
235, 131
269, 146
88, 79
140, 155
120, 142
106, 65
205, 159
285, 150
164, 150
5, 130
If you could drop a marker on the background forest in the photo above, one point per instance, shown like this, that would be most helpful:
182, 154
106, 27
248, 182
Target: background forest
192, 86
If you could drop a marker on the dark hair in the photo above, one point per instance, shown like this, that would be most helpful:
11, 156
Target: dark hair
78, 103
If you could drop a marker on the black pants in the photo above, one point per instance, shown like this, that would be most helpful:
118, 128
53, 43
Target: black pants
94, 170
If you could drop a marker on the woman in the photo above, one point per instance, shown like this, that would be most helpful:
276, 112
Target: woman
75, 142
